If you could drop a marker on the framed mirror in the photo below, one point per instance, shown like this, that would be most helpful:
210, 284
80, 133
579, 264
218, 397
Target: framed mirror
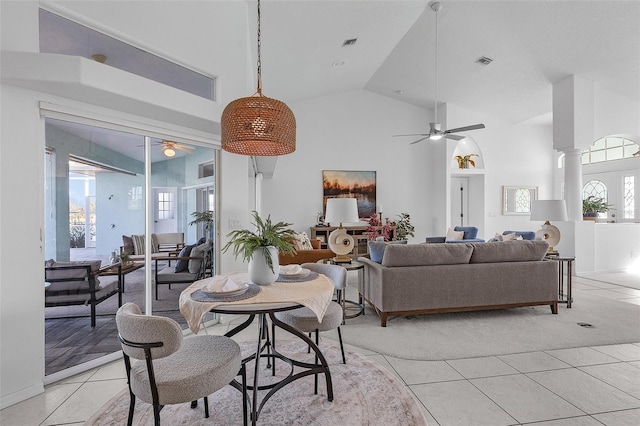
516, 200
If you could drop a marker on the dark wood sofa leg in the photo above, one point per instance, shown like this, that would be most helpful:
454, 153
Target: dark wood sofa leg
383, 319
554, 308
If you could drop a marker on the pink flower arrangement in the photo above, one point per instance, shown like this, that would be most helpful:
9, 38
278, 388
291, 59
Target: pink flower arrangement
375, 229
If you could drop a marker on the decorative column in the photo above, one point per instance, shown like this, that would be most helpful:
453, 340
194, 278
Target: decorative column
573, 183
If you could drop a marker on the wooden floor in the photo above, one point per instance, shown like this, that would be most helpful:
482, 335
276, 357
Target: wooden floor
72, 341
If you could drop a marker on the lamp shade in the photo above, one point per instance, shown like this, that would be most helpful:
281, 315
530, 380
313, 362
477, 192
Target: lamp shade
548, 210
341, 210
258, 125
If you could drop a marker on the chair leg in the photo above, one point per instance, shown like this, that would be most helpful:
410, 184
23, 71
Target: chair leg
156, 415
344, 360
273, 342
132, 405
245, 411
206, 407
315, 386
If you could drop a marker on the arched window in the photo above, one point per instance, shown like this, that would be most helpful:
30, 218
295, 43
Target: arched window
608, 149
596, 188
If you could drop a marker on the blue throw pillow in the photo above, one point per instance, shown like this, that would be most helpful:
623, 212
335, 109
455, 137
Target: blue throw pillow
376, 249
183, 264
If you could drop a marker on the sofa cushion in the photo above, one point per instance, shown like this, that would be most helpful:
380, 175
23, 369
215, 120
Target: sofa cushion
426, 254
183, 264
376, 249
302, 242
138, 244
509, 251
127, 244
526, 235
470, 232
454, 235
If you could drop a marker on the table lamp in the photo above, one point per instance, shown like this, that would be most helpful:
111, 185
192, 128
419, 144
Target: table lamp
341, 210
547, 210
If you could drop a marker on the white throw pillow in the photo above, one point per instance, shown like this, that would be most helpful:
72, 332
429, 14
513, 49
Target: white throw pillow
454, 235
303, 242
509, 237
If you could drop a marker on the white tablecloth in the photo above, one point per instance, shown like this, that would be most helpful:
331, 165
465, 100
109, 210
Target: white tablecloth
314, 294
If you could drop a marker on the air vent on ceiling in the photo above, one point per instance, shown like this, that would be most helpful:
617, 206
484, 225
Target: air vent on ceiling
349, 42
484, 60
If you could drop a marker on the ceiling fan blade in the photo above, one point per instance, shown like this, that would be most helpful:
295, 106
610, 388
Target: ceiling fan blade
466, 128
420, 140
183, 148
454, 137
413, 134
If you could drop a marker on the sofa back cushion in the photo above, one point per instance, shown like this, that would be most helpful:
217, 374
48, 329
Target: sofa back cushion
426, 254
509, 251
376, 248
470, 232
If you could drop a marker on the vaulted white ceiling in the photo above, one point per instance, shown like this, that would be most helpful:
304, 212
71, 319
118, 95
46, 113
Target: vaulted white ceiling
533, 44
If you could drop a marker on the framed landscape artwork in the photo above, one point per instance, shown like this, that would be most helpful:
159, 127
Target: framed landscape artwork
360, 185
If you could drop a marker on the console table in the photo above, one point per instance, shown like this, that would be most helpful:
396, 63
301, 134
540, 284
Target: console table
357, 232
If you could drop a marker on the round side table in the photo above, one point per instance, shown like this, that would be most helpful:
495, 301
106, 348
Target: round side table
350, 308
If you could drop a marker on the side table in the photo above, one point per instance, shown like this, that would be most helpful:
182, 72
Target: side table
562, 261
350, 308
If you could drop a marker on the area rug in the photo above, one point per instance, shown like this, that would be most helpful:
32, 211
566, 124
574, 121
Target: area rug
364, 394
497, 332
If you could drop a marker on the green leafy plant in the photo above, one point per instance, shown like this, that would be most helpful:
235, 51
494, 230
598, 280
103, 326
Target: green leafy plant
125, 257
205, 218
267, 234
404, 228
594, 205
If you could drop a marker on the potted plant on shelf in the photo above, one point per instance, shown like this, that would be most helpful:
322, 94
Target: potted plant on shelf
465, 160
261, 247
592, 206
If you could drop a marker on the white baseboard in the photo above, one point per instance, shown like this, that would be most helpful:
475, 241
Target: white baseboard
14, 398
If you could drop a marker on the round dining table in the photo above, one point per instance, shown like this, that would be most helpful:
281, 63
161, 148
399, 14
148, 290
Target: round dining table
312, 290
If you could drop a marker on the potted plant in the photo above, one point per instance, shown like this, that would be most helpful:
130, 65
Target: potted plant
465, 160
404, 228
205, 218
125, 258
261, 247
592, 206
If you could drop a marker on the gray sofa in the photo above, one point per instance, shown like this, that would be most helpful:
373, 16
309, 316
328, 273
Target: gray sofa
432, 278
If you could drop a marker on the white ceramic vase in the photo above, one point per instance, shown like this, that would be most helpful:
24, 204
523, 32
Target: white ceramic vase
259, 271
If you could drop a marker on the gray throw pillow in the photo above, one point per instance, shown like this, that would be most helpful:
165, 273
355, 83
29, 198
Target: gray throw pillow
183, 264
198, 251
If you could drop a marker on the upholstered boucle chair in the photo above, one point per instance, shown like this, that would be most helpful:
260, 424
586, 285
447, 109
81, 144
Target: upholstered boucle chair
172, 370
306, 321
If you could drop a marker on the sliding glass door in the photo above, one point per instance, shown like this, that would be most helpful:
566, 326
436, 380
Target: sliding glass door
96, 195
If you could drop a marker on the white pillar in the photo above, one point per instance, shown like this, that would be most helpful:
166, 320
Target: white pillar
573, 183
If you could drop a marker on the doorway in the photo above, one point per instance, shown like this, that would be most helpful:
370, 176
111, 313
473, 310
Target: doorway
459, 201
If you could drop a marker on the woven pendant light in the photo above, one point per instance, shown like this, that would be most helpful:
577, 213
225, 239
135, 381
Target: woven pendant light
258, 125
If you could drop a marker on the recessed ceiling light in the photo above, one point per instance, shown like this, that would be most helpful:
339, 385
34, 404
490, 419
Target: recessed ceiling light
349, 42
338, 64
400, 92
484, 60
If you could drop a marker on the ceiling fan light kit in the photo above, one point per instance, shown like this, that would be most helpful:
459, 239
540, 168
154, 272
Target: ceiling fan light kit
168, 151
258, 125
435, 129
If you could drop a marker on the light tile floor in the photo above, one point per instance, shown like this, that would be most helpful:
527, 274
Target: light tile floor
584, 386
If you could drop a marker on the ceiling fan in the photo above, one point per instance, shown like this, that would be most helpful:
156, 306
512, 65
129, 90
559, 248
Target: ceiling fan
436, 132
169, 148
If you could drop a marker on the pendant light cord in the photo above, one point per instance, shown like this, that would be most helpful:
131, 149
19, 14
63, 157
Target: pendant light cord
259, 62
436, 69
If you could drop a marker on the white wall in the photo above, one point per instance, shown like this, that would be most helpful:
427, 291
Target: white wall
22, 148
352, 131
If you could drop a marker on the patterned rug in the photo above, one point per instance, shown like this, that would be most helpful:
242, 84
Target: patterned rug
364, 394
